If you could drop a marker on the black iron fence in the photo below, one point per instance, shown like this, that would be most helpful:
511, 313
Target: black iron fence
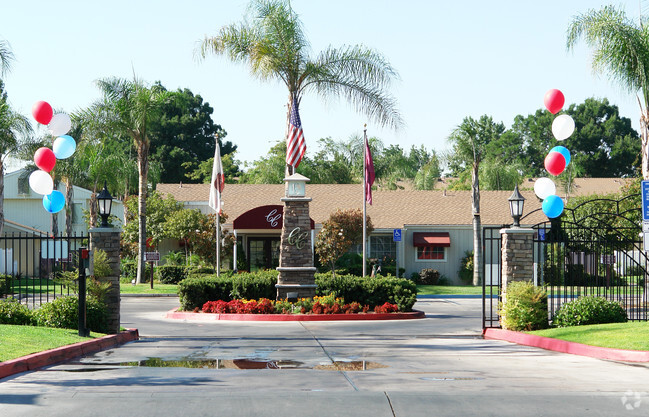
594, 249
31, 266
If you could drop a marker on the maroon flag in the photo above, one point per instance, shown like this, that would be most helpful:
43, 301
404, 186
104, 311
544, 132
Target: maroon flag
295, 145
369, 172
218, 182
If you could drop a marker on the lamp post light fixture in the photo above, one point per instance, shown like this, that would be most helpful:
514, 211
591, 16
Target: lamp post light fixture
516, 203
105, 203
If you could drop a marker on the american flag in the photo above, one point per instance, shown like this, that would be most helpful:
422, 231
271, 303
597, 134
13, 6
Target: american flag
295, 146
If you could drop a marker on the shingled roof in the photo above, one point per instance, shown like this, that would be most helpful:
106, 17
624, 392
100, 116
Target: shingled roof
391, 209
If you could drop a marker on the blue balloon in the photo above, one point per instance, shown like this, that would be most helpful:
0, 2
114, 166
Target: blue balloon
563, 151
64, 146
552, 206
54, 202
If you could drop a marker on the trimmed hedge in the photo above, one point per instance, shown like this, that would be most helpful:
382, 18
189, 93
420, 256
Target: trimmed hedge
589, 310
13, 312
525, 307
64, 313
370, 291
199, 289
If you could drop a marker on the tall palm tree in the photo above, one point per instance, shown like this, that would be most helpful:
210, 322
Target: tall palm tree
274, 46
469, 144
6, 57
621, 50
12, 126
128, 107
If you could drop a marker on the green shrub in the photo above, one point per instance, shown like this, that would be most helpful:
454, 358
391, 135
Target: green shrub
64, 313
5, 284
12, 312
589, 310
171, 274
128, 268
197, 289
370, 291
525, 307
428, 276
466, 268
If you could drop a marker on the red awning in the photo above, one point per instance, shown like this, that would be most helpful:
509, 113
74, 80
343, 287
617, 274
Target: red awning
431, 239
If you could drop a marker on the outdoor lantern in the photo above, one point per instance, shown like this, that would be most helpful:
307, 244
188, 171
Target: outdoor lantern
105, 202
516, 202
295, 185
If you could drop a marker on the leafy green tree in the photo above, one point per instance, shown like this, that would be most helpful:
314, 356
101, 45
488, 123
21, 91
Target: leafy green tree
129, 107
427, 176
273, 43
621, 50
268, 169
184, 225
183, 135
159, 209
13, 127
343, 229
201, 172
469, 142
496, 175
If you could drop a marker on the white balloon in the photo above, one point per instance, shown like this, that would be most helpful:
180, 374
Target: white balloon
544, 187
60, 124
41, 182
562, 127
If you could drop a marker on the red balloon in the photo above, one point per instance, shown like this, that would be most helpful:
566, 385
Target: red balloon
45, 159
554, 100
42, 112
555, 163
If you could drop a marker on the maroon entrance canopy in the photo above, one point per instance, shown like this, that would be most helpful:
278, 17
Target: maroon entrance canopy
431, 239
262, 217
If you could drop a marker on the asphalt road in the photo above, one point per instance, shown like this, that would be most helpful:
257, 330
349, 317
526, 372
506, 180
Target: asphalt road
437, 366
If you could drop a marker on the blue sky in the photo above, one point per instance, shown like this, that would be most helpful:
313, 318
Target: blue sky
455, 59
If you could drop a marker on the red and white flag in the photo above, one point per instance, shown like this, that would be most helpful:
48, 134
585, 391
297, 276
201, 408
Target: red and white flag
218, 182
295, 145
369, 172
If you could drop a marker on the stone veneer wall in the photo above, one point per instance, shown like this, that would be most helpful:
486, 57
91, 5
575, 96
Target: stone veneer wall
517, 256
296, 270
107, 239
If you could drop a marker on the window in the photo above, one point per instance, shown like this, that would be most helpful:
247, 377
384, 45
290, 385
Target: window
23, 184
435, 253
382, 246
77, 213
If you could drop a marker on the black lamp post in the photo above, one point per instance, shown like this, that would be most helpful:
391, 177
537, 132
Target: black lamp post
516, 202
105, 203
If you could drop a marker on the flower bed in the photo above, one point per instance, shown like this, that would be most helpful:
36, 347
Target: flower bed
328, 304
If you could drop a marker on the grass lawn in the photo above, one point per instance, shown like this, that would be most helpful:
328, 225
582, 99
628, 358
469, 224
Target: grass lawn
449, 290
17, 341
146, 288
630, 335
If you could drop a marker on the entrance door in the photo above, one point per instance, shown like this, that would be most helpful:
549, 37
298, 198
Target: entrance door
263, 253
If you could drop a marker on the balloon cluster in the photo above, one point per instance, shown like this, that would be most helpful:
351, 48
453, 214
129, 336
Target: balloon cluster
558, 158
45, 158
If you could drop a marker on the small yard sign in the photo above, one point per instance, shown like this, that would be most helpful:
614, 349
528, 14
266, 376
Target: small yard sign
151, 256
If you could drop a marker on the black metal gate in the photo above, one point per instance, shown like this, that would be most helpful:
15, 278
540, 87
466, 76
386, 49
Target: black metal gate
593, 249
30, 266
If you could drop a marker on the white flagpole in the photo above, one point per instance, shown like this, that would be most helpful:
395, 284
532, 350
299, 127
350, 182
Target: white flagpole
218, 241
364, 202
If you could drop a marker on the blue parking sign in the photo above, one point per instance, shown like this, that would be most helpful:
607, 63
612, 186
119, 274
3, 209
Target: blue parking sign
396, 235
645, 200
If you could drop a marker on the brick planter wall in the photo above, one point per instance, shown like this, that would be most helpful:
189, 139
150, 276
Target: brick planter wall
107, 239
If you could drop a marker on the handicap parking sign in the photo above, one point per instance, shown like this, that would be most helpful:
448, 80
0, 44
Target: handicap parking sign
396, 235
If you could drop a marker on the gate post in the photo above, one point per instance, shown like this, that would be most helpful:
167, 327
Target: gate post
517, 256
107, 239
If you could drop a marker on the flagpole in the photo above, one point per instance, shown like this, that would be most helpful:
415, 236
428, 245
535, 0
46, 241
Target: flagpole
218, 220
364, 201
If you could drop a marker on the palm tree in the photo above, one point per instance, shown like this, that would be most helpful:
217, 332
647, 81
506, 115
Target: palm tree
469, 141
128, 107
6, 57
274, 46
620, 49
12, 126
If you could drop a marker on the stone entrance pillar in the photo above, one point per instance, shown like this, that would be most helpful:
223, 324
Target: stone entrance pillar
517, 256
107, 239
296, 271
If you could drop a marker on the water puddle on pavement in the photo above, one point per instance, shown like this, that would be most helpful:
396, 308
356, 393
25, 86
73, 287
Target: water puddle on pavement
242, 363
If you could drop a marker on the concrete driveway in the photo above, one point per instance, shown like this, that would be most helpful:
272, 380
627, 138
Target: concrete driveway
437, 366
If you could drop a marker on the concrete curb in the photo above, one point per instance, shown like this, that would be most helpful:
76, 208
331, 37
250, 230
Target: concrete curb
64, 353
182, 315
567, 347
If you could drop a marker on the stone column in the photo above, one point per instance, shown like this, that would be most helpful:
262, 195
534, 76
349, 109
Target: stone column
517, 256
107, 239
296, 270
